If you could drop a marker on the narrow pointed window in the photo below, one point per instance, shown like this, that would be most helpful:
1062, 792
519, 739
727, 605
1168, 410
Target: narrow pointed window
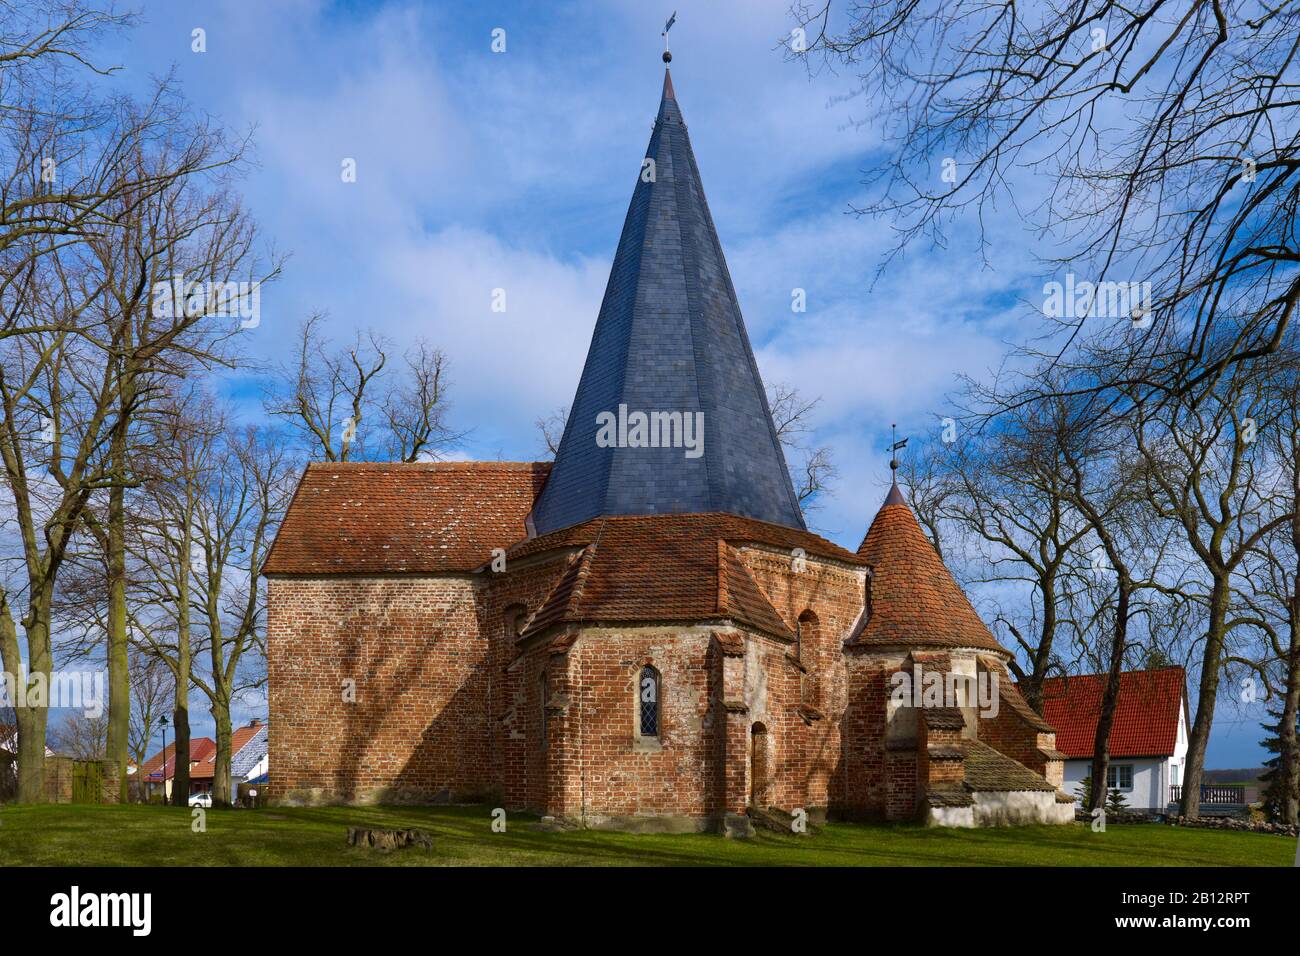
648, 702
805, 652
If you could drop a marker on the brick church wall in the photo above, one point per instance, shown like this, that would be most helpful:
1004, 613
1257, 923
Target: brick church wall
451, 705
418, 728
601, 764
866, 761
505, 602
811, 767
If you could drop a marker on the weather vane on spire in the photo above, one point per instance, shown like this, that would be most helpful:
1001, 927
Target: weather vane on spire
894, 447
668, 57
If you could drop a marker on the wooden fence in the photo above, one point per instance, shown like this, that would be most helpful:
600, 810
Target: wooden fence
1215, 794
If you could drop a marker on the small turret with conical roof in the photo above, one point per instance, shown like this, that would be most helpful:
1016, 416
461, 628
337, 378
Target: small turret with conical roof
915, 602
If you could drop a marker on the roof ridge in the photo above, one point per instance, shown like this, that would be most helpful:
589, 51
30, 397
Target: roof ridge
733, 565
585, 558
427, 465
721, 574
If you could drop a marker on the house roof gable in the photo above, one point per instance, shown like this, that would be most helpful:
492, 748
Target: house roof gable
1146, 714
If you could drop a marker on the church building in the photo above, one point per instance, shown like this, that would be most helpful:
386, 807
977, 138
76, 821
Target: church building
642, 634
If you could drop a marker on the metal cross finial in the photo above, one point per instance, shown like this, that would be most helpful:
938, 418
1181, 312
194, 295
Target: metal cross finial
668, 57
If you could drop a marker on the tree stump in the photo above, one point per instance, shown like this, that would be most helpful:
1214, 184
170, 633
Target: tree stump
386, 840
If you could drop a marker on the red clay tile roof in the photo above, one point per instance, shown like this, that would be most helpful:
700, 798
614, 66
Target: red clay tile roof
740, 599
394, 518
201, 748
1146, 714
914, 600
678, 567
559, 605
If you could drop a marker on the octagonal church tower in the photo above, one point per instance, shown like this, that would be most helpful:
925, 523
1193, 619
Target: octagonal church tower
643, 634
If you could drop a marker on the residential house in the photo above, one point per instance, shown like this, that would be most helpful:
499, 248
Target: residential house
248, 749
159, 770
251, 761
1148, 739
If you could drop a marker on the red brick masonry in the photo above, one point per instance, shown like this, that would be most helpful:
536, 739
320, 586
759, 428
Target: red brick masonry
422, 648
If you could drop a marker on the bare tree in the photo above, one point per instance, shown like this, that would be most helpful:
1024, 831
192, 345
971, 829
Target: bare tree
80, 736
814, 465
239, 506
158, 335
1007, 488
52, 186
1274, 593
552, 428
1148, 142
58, 398
74, 302
330, 398
1099, 484
929, 473
163, 548
151, 692
1199, 470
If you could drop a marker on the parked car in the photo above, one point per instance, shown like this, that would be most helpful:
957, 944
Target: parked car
200, 800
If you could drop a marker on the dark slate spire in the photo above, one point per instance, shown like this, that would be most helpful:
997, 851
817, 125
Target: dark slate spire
669, 338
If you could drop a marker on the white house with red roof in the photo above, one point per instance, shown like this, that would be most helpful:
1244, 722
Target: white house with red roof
1148, 739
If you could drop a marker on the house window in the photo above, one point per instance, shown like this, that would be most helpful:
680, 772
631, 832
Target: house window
648, 702
1119, 776
541, 697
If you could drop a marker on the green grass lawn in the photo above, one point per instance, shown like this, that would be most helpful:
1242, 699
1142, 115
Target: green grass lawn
139, 835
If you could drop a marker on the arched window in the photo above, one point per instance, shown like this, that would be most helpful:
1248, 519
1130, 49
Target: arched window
648, 702
805, 630
805, 651
515, 616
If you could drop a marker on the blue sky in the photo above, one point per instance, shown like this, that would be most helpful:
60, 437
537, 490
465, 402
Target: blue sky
478, 170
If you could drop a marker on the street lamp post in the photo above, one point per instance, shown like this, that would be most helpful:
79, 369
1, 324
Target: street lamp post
163, 769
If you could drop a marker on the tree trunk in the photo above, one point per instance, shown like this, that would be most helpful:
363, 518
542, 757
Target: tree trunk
181, 719
1288, 767
1288, 743
1109, 698
119, 678
184, 662
221, 771
32, 720
1208, 690
117, 651
1032, 686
